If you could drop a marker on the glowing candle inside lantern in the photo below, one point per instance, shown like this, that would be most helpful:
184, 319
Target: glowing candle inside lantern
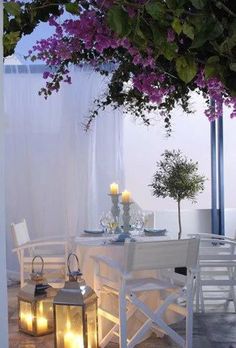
78, 341
29, 321
72, 340
114, 189
22, 317
126, 196
42, 324
69, 339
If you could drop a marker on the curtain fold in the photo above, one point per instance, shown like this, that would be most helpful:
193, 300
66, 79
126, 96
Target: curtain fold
58, 175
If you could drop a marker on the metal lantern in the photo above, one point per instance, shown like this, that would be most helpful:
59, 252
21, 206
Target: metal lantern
35, 304
75, 313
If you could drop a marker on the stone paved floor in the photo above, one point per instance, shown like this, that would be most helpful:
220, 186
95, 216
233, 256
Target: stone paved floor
211, 330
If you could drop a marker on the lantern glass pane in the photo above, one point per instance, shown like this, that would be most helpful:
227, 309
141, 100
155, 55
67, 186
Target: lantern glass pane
91, 314
69, 326
26, 316
44, 316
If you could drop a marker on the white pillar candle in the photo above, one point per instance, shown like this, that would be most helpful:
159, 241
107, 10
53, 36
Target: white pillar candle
29, 321
72, 340
114, 189
42, 324
69, 339
126, 196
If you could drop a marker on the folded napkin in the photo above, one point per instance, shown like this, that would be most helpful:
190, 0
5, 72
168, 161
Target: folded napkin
154, 232
94, 231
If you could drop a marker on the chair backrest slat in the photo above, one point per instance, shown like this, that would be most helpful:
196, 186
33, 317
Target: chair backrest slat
20, 233
161, 254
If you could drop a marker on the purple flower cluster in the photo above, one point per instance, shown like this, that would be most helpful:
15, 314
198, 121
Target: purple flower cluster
91, 33
215, 90
150, 84
89, 39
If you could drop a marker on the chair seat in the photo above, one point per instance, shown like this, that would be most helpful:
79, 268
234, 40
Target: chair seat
141, 284
52, 259
48, 252
148, 284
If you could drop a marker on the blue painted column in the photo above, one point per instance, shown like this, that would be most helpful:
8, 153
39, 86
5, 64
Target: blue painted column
217, 175
221, 175
214, 217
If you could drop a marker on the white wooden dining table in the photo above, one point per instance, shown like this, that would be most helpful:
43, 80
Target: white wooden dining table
89, 246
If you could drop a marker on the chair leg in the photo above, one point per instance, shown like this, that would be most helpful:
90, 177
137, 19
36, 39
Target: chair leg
189, 318
122, 318
22, 280
197, 294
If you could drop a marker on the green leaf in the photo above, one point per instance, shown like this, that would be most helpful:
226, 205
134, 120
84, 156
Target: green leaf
171, 4
72, 7
213, 60
9, 42
215, 30
119, 21
139, 36
6, 20
188, 30
211, 70
13, 8
155, 9
233, 66
176, 25
186, 68
199, 4
169, 50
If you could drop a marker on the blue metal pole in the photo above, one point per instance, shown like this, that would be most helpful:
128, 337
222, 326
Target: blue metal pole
214, 218
221, 174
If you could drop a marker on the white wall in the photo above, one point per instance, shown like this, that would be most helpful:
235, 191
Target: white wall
191, 134
193, 221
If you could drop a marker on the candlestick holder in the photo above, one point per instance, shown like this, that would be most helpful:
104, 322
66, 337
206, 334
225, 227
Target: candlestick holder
126, 221
115, 210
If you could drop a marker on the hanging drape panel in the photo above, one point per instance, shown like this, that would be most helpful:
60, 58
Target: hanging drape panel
58, 175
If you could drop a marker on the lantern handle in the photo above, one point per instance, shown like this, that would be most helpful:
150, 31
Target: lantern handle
33, 260
73, 275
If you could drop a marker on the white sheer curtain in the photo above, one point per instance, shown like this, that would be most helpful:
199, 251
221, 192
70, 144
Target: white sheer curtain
57, 175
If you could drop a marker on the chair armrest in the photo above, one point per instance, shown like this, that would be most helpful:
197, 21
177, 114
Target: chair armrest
41, 243
109, 262
211, 236
50, 239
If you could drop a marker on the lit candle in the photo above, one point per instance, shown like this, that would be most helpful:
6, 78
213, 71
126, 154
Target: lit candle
42, 324
114, 189
69, 340
126, 196
29, 321
72, 340
78, 341
22, 316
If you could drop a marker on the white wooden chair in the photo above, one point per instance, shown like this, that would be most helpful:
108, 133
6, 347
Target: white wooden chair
131, 291
54, 259
216, 280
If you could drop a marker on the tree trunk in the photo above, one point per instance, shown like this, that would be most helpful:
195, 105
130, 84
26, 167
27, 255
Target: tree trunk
179, 220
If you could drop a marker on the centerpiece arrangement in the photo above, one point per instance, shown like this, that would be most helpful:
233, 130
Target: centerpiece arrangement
126, 202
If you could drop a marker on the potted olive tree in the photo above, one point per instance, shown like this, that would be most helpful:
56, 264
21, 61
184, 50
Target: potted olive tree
177, 177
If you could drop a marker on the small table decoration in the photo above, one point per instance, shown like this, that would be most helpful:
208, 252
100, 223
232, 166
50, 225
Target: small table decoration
115, 209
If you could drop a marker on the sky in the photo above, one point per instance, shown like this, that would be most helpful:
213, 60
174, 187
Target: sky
25, 44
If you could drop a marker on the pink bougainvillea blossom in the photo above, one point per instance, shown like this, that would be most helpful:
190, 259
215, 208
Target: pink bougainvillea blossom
89, 39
